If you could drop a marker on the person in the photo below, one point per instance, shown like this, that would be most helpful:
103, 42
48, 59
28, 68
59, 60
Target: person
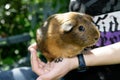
101, 62
100, 56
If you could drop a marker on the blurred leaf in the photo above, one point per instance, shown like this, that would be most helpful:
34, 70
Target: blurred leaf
8, 61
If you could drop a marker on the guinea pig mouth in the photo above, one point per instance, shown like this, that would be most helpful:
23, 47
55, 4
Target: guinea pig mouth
92, 44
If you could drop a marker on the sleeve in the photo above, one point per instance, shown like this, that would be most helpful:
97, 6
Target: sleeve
94, 7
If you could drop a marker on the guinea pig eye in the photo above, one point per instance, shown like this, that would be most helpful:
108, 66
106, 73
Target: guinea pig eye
81, 28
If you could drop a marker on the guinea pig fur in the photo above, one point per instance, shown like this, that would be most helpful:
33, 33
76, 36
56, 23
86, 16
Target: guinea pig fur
66, 35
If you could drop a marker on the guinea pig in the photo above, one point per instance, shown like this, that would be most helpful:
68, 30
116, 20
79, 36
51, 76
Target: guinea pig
66, 35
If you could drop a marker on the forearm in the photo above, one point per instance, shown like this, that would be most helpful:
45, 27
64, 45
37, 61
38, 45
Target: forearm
107, 55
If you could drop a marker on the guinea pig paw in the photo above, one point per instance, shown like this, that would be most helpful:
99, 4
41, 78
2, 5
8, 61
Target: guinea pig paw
58, 60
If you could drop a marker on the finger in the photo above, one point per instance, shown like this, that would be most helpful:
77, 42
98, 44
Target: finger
33, 49
34, 59
33, 55
33, 46
35, 63
33, 52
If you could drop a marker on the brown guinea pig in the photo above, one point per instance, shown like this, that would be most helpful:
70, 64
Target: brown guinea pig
66, 35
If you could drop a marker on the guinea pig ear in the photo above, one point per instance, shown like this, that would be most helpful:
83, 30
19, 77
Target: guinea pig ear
66, 27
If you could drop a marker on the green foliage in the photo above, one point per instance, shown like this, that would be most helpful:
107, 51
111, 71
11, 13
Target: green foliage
24, 16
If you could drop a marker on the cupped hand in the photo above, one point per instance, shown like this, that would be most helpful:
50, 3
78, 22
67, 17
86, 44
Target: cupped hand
51, 70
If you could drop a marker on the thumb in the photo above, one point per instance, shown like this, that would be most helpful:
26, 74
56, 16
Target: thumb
32, 47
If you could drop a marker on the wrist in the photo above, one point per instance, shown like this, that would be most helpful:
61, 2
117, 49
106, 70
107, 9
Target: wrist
74, 63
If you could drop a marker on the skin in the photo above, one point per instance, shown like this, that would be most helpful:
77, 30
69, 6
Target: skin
107, 55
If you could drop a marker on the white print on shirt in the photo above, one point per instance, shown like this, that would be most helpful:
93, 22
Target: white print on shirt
108, 22
109, 26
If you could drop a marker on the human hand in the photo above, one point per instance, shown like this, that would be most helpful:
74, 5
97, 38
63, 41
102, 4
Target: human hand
53, 70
